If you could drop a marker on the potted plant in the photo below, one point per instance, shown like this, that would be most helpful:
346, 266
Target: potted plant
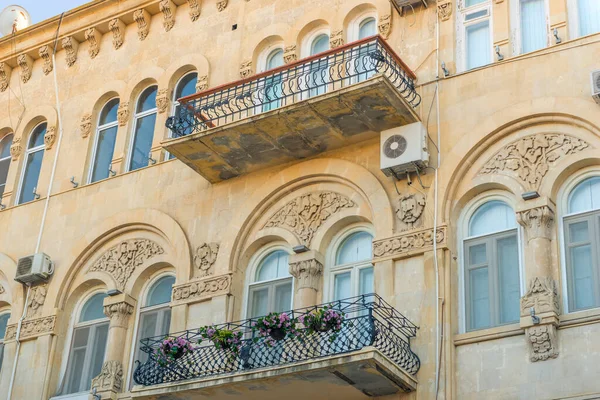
275, 327
172, 349
223, 338
323, 319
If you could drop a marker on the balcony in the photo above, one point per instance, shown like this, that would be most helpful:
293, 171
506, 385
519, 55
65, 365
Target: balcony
321, 103
369, 357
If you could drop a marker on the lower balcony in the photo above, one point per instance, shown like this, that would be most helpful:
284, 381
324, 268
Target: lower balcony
369, 357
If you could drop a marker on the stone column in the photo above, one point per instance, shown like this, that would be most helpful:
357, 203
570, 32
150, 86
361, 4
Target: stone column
307, 269
110, 381
542, 293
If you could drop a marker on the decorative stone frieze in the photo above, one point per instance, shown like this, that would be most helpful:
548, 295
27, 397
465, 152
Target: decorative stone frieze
32, 328
204, 259
117, 27
167, 7
336, 39
444, 10
86, 125
37, 297
202, 289
142, 18
93, 37
16, 149
385, 26
45, 55
110, 378
26, 65
5, 71
410, 209
70, 45
246, 69
543, 343
123, 113
222, 5
409, 243
538, 222
50, 137
121, 260
307, 273
162, 100
542, 295
289, 54
202, 83
119, 312
530, 158
305, 214
194, 11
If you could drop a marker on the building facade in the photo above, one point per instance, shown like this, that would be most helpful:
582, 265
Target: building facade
477, 277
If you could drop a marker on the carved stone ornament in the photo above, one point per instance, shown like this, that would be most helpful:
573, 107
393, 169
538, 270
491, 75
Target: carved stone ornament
202, 289
26, 64
93, 36
142, 18
410, 209
16, 149
202, 83
246, 69
542, 295
123, 113
538, 222
118, 313
444, 10
117, 27
543, 342
86, 125
37, 297
2, 290
44, 52
121, 260
307, 273
289, 54
5, 72
222, 5
305, 214
409, 242
167, 7
70, 45
162, 100
336, 39
32, 328
194, 9
50, 137
531, 157
385, 26
110, 378
205, 258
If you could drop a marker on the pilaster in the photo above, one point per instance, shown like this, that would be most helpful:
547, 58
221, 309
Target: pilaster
307, 270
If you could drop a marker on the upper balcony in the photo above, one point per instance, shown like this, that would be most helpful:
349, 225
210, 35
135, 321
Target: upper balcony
370, 356
339, 97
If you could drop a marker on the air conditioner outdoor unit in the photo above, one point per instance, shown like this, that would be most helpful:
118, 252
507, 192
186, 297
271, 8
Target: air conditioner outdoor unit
404, 149
596, 85
398, 4
35, 268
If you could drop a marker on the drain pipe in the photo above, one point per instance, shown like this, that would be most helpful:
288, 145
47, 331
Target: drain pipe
18, 335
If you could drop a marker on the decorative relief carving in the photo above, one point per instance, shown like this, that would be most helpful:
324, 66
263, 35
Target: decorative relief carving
93, 36
289, 54
531, 157
70, 45
305, 214
543, 342
205, 258
5, 72
37, 297
44, 52
202, 83
26, 64
162, 100
194, 9
142, 18
307, 273
110, 378
222, 5
118, 313
410, 209
123, 113
2, 290
50, 137
444, 10
538, 222
32, 328
117, 27
86, 125
246, 69
336, 39
122, 259
542, 295
409, 241
202, 289
167, 7
385, 26
16, 148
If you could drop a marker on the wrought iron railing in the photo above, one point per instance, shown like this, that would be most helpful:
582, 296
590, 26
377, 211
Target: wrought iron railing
325, 72
369, 321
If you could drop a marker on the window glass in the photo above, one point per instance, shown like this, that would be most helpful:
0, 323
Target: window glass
5, 159
144, 134
342, 286
109, 112
271, 290
534, 35
259, 302
147, 100
366, 281
93, 309
586, 196
160, 292
320, 44
356, 247
480, 298
272, 84
469, 3
3, 324
589, 17
33, 166
273, 266
37, 136
186, 86
105, 149
493, 216
367, 28
508, 277
319, 69
5, 144
478, 44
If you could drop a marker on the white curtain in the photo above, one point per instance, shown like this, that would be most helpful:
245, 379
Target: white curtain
493, 216
534, 35
589, 17
478, 45
586, 196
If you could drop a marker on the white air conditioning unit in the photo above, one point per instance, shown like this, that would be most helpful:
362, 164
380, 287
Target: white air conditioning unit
34, 269
596, 85
399, 4
404, 149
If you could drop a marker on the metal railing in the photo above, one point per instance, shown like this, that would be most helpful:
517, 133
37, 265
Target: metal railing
292, 83
369, 321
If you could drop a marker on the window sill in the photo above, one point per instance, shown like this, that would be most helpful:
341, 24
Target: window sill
483, 335
579, 318
72, 396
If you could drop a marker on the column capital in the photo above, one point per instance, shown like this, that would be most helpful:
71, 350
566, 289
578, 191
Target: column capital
538, 220
307, 268
118, 308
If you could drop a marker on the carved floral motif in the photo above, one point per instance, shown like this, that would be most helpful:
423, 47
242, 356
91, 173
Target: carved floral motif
167, 7
25, 63
162, 100
222, 5
194, 9
336, 39
305, 214
37, 297
410, 209
205, 258
408, 242
246, 69
531, 157
121, 260
70, 45
92, 35
123, 113
543, 342
542, 295
202, 289
110, 378
117, 27
289, 54
32, 328
307, 273
50, 137
385, 26
142, 18
44, 52
202, 83
16, 148
5, 72
538, 222
86, 125
444, 10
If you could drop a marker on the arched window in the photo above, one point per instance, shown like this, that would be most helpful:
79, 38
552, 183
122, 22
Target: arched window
318, 78
582, 238
5, 144
143, 128
352, 274
584, 17
104, 141
271, 286
367, 27
33, 163
272, 89
3, 324
491, 265
185, 87
88, 346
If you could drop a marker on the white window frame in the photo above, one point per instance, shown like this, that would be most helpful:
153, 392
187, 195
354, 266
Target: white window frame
306, 49
5, 159
516, 34
573, 20
354, 26
463, 236
28, 153
262, 60
97, 134
175, 104
3, 312
136, 117
461, 31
